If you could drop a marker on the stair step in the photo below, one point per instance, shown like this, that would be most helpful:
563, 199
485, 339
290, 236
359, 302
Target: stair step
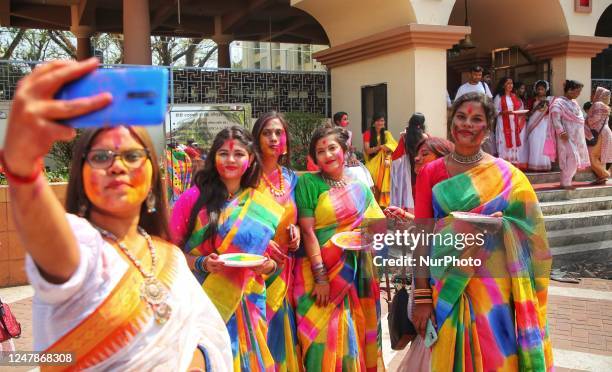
551, 177
576, 205
581, 235
579, 193
581, 248
568, 221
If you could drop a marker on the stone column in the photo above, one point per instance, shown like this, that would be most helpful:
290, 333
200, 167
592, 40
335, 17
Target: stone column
83, 34
136, 32
410, 59
570, 57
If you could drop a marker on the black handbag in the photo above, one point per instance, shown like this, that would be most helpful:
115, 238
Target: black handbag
592, 142
401, 329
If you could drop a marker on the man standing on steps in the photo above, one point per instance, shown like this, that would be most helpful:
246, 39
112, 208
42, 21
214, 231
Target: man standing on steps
475, 84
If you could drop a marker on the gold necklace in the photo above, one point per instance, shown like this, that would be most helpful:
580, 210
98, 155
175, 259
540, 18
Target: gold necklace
336, 184
152, 290
278, 192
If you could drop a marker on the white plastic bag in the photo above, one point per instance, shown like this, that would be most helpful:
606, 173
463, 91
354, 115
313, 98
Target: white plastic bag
418, 358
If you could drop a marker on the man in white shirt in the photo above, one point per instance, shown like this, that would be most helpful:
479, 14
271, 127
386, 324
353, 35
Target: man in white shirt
475, 84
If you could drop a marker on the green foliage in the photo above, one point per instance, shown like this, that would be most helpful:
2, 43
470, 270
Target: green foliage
301, 126
61, 152
58, 175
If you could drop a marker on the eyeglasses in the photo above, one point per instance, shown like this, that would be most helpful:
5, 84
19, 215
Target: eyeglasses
103, 159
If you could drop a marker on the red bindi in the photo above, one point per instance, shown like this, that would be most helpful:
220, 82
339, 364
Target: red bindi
470, 109
231, 145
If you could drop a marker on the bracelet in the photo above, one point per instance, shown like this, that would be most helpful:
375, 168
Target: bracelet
424, 291
275, 268
17, 179
200, 264
428, 301
315, 255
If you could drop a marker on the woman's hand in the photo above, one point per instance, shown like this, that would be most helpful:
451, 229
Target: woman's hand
321, 294
420, 315
33, 122
564, 136
398, 213
276, 253
213, 264
294, 243
266, 268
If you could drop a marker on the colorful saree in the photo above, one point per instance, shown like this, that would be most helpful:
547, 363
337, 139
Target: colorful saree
345, 335
282, 339
178, 177
379, 166
246, 224
492, 317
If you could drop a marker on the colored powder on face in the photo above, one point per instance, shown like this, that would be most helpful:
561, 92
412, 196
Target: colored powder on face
282, 149
470, 109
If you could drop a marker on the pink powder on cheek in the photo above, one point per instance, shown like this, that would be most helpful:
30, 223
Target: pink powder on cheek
282, 148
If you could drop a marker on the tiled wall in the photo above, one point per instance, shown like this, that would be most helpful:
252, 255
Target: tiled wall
11, 251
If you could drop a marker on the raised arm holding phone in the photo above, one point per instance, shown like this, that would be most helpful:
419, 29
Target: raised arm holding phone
106, 281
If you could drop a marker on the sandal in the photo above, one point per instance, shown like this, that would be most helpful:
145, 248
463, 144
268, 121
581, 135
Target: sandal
600, 181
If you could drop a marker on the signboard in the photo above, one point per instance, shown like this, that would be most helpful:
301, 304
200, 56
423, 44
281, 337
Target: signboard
202, 122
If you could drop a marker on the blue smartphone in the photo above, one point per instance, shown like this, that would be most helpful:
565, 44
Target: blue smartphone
431, 336
140, 96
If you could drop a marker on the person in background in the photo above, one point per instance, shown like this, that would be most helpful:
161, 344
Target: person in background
336, 291
403, 177
354, 168
225, 213
490, 317
597, 128
520, 90
108, 286
487, 78
179, 170
566, 117
379, 144
474, 84
510, 129
273, 144
540, 132
427, 150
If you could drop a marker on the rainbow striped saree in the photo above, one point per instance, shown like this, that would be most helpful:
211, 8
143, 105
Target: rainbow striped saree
282, 339
379, 166
246, 225
492, 318
345, 335
179, 172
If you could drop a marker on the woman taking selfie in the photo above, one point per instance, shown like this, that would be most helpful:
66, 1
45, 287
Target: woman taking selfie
336, 291
488, 317
224, 213
271, 134
108, 287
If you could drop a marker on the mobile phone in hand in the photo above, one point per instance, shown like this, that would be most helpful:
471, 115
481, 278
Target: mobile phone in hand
431, 336
292, 231
140, 96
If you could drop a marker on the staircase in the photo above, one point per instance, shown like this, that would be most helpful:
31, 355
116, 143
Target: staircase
578, 222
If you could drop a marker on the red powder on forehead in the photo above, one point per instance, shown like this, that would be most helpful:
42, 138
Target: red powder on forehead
324, 142
116, 137
470, 109
231, 144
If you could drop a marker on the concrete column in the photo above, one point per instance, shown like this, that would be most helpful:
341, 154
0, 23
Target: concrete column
572, 68
136, 32
426, 70
83, 34
223, 55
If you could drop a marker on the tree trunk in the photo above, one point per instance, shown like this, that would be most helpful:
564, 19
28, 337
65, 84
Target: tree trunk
9, 52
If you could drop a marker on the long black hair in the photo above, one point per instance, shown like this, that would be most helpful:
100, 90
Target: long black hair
373, 141
414, 133
571, 84
213, 193
500, 90
258, 127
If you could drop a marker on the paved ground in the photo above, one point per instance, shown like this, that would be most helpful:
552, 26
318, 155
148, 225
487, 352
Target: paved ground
580, 317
